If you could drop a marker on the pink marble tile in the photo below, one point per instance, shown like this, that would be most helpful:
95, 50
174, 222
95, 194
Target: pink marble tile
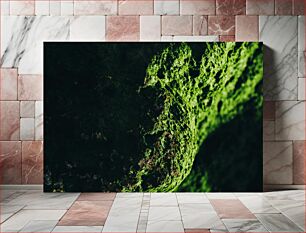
299, 162
195, 7
230, 7
269, 110
9, 120
227, 38
200, 25
30, 87
105, 7
176, 25
299, 7
247, 28
260, 7
10, 162
8, 84
97, 197
86, 213
22, 7
32, 162
231, 208
283, 7
221, 25
27, 108
122, 28
135, 7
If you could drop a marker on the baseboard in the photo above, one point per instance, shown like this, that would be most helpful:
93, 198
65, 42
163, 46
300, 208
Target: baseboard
278, 187
267, 188
21, 187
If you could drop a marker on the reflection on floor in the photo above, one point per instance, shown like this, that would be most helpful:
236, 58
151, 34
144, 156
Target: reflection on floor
35, 211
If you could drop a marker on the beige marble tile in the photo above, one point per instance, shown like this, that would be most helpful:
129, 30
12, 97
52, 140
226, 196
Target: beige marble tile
277, 160
27, 129
268, 130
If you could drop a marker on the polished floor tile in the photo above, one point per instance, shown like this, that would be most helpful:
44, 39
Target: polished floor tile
278, 223
96, 197
90, 213
189, 198
168, 213
8, 210
83, 229
163, 199
257, 205
39, 226
165, 226
231, 208
242, 225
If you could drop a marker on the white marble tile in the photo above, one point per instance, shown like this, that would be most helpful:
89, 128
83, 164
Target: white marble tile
150, 28
159, 213
268, 130
201, 220
220, 195
189, 209
164, 7
166, 38
258, 205
5, 7
39, 120
301, 46
27, 109
8, 210
6, 194
129, 195
301, 89
242, 225
127, 202
87, 28
192, 198
42, 7
294, 210
290, 120
277, 223
279, 35
294, 195
39, 226
27, 129
277, 160
20, 219
165, 226
55, 8
122, 219
22, 40
66, 7
163, 199
106, 7
196, 38
38, 200
83, 229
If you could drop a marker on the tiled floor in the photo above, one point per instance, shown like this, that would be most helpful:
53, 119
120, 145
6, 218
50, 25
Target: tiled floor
35, 211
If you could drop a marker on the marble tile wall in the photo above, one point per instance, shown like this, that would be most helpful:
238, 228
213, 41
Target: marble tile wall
25, 24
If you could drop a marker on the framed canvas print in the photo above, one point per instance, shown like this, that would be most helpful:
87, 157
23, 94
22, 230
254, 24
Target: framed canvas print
153, 117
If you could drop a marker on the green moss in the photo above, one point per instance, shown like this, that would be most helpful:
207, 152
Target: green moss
197, 92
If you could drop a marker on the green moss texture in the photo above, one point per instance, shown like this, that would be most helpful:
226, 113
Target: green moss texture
196, 93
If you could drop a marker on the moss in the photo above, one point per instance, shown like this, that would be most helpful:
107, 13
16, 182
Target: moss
197, 92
